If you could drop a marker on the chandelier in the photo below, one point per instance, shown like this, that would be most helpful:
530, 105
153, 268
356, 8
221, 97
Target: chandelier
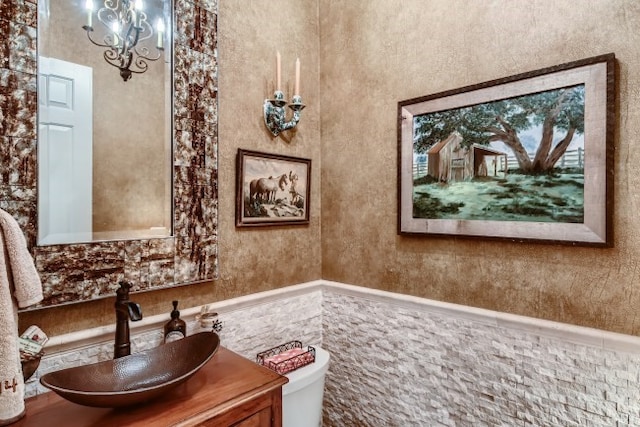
126, 27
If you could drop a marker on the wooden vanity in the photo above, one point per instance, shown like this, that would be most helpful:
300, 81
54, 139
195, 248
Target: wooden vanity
228, 391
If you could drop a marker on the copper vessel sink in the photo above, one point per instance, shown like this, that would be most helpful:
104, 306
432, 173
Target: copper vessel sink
136, 378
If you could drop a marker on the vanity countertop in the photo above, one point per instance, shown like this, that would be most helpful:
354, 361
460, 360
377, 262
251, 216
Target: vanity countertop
227, 390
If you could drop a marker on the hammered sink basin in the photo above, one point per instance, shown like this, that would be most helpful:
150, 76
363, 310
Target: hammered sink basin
136, 378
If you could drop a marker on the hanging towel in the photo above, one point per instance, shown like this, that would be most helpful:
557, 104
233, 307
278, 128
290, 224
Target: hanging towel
20, 286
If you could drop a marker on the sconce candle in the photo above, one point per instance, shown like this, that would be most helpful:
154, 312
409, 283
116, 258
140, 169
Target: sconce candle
160, 29
138, 12
274, 113
278, 71
89, 7
115, 27
296, 90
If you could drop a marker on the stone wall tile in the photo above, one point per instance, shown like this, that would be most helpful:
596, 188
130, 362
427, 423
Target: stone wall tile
421, 368
397, 366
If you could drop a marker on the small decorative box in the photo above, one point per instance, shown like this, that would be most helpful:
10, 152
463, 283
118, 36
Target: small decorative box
287, 357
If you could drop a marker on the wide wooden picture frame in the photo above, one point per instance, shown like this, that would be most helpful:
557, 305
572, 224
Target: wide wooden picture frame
271, 189
526, 158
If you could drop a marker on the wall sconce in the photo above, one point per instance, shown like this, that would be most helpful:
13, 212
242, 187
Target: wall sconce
274, 112
127, 26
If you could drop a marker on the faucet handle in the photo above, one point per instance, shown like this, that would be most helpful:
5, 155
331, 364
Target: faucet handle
123, 290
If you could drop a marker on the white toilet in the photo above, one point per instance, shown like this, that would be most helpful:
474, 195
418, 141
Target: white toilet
302, 395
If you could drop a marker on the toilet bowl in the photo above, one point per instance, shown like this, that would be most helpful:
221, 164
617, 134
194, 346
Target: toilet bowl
302, 395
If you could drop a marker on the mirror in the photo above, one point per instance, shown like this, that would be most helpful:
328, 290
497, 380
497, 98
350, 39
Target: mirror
104, 144
77, 272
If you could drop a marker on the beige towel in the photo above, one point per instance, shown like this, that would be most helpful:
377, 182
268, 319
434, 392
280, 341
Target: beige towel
20, 286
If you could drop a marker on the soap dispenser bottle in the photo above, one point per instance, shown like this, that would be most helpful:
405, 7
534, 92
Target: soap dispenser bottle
176, 328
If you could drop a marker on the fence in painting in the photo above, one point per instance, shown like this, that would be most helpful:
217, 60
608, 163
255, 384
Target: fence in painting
419, 169
570, 159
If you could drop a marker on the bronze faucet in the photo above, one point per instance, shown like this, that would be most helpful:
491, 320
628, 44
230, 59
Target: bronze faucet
125, 310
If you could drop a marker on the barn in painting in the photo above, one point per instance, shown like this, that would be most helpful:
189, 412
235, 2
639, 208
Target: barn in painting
449, 160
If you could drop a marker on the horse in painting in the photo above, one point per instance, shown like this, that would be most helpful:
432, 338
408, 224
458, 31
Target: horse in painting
264, 190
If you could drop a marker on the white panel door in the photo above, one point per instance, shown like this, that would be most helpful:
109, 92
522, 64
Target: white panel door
65, 114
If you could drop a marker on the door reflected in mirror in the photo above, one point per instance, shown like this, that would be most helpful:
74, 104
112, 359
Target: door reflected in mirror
104, 144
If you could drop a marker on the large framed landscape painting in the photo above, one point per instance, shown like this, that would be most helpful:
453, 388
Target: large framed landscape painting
272, 189
524, 158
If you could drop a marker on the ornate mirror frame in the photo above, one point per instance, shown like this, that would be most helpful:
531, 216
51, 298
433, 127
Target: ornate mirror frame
81, 272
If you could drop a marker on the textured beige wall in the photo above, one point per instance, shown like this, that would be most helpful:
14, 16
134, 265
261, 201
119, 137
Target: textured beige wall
375, 53
257, 259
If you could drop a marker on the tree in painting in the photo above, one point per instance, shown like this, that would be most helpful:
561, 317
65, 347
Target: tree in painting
559, 111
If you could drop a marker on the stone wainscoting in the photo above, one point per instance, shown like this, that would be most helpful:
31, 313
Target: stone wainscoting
403, 361
250, 324
398, 360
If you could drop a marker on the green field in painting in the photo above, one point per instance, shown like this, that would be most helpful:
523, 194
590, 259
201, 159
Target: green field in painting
539, 198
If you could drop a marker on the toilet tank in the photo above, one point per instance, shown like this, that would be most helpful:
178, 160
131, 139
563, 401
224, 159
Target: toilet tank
302, 395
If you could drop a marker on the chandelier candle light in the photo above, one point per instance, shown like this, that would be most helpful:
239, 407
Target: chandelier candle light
127, 26
274, 112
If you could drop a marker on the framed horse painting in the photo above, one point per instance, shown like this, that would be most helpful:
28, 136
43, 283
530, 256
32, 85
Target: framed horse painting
271, 189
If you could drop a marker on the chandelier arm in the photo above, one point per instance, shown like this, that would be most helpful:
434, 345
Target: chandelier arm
107, 15
146, 30
113, 58
111, 4
141, 65
89, 30
127, 60
136, 35
145, 53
